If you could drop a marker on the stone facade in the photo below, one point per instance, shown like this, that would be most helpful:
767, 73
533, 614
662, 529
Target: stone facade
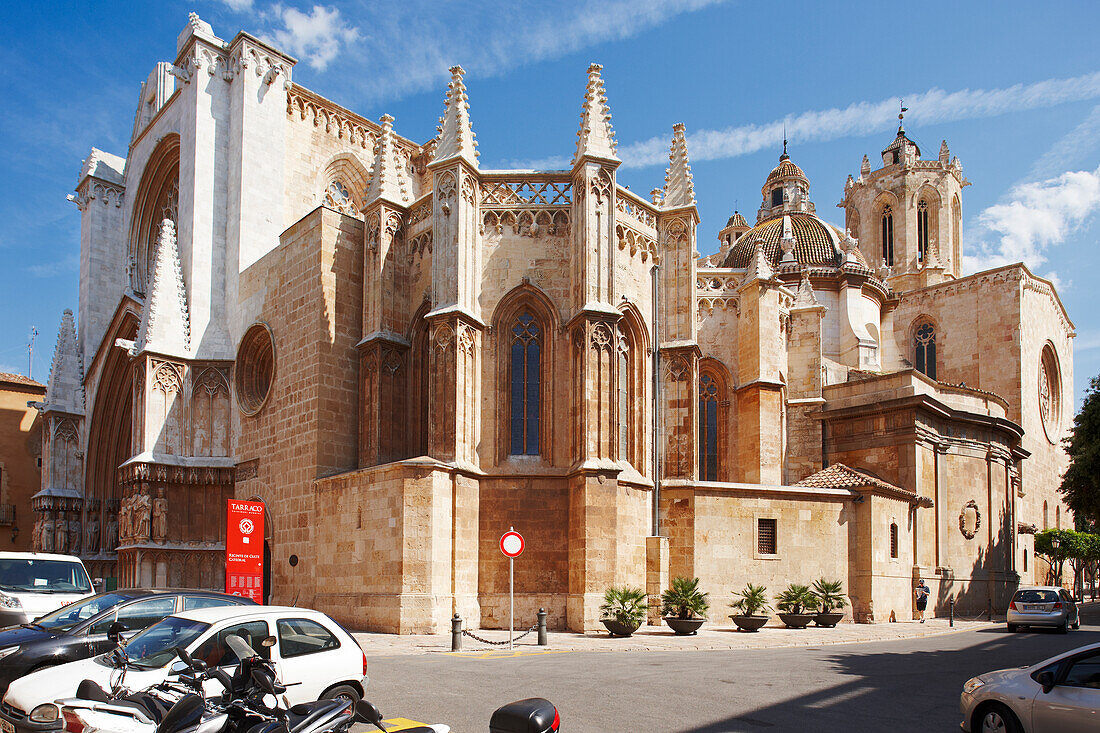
403, 355
21, 444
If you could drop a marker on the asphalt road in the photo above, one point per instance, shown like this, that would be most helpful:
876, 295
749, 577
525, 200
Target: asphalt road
909, 685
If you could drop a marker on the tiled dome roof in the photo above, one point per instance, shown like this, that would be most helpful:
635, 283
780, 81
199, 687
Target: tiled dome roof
786, 169
737, 220
816, 243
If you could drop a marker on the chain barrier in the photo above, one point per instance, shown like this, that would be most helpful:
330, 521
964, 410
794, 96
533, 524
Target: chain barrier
475, 637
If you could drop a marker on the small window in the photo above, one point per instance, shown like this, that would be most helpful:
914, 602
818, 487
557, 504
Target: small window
1025, 561
766, 537
192, 602
298, 636
894, 540
922, 230
777, 197
216, 653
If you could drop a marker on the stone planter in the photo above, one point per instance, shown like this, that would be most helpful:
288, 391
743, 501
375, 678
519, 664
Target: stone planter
797, 620
750, 623
614, 628
684, 626
829, 620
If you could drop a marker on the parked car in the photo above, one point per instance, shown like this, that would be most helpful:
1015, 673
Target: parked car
313, 656
1043, 606
1058, 694
79, 630
35, 583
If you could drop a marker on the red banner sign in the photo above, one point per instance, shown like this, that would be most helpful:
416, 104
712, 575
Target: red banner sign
244, 549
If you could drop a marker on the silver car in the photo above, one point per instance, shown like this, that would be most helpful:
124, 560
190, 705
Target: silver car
1043, 606
1059, 694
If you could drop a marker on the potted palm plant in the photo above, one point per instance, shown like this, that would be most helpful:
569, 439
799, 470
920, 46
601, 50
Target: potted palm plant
830, 599
684, 606
752, 603
797, 606
622, 610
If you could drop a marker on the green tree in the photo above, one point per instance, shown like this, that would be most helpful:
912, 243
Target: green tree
1081, 482
1056, 556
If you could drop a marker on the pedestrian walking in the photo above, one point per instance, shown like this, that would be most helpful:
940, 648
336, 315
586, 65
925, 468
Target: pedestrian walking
922, 598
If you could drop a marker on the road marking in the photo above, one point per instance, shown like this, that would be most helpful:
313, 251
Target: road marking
396, 724
493, 654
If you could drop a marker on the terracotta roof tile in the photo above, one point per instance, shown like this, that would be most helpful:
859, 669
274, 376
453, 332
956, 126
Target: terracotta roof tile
839, 476
19, 379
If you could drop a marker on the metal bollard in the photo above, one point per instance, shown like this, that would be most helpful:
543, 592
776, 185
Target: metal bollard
456, 633
951, 613
542, 626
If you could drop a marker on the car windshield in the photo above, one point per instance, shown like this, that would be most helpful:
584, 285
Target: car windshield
1035, 596
69, 616
32, 575
156, 646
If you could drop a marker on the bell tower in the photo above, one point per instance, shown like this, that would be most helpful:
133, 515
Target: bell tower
907, 214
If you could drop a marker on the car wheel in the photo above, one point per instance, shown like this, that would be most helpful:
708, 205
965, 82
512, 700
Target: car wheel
1064, 628
347, 693
1012, 628
996, 718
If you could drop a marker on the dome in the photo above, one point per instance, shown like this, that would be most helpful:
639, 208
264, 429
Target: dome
785, 170
816, 243
737, 220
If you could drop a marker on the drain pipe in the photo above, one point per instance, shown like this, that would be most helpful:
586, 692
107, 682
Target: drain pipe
656, 401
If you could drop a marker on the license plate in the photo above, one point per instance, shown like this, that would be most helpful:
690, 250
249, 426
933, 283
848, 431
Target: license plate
1035, 607
7, 726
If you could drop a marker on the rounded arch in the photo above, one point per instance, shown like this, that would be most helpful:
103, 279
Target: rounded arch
1049, 392
352, 174
157, 199
925, 345
524, 325
254, 368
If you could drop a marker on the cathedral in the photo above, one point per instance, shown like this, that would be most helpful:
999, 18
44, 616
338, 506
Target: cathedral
403, 354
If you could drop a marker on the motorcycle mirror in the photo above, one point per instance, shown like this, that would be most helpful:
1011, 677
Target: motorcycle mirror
179, 667
184, 656
268, 642
367, 712
261, 680
114, 631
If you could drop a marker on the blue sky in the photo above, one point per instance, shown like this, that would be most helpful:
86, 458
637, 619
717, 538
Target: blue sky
1013, 87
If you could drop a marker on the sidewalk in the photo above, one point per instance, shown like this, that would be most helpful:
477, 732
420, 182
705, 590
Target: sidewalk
660, 638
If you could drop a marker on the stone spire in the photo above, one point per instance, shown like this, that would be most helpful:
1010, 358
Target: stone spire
65, 389
759, 267
806, 298
456, 136
166, 320
679, 186
595, 139
389, 179
945, 153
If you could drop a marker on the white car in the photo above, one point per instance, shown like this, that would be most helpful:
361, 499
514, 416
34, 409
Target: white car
33, 584
313, 655
1058, 694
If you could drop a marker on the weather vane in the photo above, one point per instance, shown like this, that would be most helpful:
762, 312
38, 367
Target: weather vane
901, 115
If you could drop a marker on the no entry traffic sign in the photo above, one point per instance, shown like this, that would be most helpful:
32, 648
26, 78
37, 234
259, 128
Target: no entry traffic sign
511, 543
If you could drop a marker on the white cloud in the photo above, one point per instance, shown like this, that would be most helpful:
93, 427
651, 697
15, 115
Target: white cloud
1032, 218
51, 269
860, 118
238, 5
316, 37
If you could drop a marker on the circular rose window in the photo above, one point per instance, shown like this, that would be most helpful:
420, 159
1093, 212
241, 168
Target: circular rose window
255, 368
1050, 393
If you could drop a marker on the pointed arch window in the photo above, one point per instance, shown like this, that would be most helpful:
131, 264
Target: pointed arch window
339, 198
922, 230
525, 366
924, 346
623, 366
709, 397
886, 236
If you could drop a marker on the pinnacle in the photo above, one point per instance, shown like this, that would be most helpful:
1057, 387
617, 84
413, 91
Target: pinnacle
456, 136
759, 268
388, 176
805, 298
65, 390
679, 186
166, 320
596, 138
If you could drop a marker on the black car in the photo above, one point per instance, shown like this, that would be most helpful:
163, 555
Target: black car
79, 630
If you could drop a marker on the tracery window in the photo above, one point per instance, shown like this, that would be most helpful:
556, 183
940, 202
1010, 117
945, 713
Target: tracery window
337, 197
922, 230
1050, 393
924, 346
887, 236
709, 396
526, 355
623, 355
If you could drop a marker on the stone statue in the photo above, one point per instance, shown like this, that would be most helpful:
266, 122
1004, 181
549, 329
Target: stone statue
110, 539
47, 534
36, 535
160, 517
74, 536
91, 535
140, 518
62, 529
124, 526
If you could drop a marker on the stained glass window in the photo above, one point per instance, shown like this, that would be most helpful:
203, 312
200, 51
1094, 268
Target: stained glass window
708, 428
924, 342
526, 354
887, 236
